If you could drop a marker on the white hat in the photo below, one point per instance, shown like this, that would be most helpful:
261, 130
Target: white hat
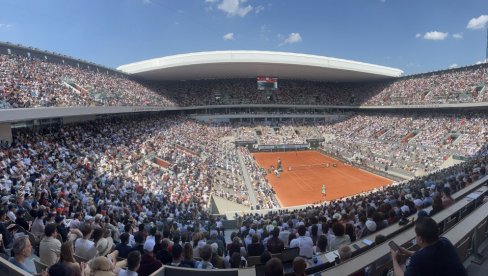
405, 209
337, 216
371, 225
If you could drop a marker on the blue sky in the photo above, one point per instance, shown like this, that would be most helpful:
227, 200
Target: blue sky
413, 35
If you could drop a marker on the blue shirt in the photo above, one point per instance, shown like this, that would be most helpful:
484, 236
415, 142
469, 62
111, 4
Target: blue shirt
439, 258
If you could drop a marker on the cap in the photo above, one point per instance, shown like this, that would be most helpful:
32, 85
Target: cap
337, 216
405, 209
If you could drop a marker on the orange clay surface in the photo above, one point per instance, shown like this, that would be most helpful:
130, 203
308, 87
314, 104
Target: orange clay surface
303, 185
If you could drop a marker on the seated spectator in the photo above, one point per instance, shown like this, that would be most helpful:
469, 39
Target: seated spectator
66, 258
237, 261
7, 239
275, 244
133, 263
255, 248
188, 260
123, 247
149, 263
345, 252
217, 260
303, 242
176, 255
163, 255
437, 205
437, 256
447, 199
61, 228
321, 246
37, 228
60, 269
206, 255
266, 256
84, 247
101, 266
339, 237
20, 220
299, 266
49, 246
273, 267
21, 249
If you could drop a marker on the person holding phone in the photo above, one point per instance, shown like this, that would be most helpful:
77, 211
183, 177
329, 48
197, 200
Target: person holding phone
437, 255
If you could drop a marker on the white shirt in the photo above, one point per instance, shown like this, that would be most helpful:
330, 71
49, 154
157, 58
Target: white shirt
85, 248
305, 244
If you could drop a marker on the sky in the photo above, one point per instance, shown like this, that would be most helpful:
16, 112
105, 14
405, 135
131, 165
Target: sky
415, 36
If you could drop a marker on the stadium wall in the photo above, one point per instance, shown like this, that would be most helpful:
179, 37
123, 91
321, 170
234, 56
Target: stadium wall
5, 132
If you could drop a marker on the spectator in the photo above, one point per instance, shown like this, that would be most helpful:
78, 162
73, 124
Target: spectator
303, 242
275, 244
133, 263
84, 247
437, 256
148, 263
21, 250
49, 246
299, 266
339, 237
273, 267
255, 248
66, 258
206, 255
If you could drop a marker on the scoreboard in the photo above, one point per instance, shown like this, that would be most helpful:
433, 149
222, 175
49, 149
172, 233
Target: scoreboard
267, 83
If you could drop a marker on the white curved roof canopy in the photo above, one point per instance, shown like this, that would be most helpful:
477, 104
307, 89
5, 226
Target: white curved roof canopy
250, 64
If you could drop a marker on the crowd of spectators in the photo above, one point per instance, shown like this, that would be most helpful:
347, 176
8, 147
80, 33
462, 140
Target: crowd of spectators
83, 190
30, 82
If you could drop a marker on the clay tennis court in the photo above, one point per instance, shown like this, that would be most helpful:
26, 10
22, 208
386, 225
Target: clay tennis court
303, 183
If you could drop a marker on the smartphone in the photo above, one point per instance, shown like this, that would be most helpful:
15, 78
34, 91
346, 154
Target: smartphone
394, 246
356, 246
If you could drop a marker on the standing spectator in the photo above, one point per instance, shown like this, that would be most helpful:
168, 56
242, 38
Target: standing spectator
275, 244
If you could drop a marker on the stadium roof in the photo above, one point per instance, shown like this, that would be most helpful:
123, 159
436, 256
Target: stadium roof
250, 64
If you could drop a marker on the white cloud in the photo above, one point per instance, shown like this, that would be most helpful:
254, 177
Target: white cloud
5, 26
418, 35
234, 7
478, 23
146, 2
454, 65
228, 37
458, 36
482, 61
210, 1
292, 38
435, 35
258, 9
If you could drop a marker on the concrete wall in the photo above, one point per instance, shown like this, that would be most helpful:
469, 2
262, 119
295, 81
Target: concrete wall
5, 132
